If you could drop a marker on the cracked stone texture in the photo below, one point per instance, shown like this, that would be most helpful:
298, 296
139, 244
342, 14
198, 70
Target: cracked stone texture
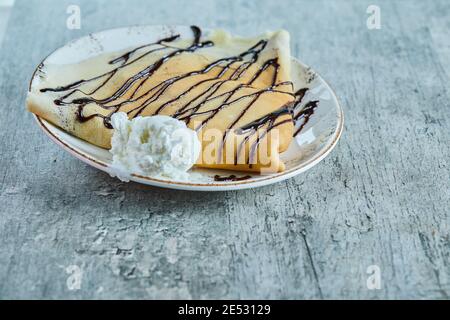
381, 197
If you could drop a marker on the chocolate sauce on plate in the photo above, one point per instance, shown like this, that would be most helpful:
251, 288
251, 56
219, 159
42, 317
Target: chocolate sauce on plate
230, 178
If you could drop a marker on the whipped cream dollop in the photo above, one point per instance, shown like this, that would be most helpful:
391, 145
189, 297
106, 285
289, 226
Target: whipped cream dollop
157, 146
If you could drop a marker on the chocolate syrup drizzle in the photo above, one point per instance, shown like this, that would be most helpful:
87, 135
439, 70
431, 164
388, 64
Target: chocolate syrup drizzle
190, 109
302, 113
297, 111
231, 178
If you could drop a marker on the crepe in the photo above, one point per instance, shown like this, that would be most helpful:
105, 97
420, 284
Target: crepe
235, 92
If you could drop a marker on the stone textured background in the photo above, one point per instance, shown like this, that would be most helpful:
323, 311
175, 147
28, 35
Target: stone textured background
5, 8
381, 198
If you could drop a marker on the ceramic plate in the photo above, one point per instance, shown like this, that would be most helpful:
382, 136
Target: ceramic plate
316, 140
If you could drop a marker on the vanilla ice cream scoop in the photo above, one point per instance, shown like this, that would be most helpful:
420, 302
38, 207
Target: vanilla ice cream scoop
158, 146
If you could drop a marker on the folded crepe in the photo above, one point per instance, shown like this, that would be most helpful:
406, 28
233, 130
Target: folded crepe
235, 92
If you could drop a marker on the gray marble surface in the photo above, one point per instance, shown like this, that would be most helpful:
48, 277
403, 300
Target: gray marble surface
380, 199
4, 15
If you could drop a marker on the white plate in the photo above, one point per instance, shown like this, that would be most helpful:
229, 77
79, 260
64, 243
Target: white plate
314, 143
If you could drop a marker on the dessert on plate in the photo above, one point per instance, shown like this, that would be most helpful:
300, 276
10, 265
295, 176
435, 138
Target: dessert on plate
234, 93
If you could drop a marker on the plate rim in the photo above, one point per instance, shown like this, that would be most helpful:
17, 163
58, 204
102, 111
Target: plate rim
232, 185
